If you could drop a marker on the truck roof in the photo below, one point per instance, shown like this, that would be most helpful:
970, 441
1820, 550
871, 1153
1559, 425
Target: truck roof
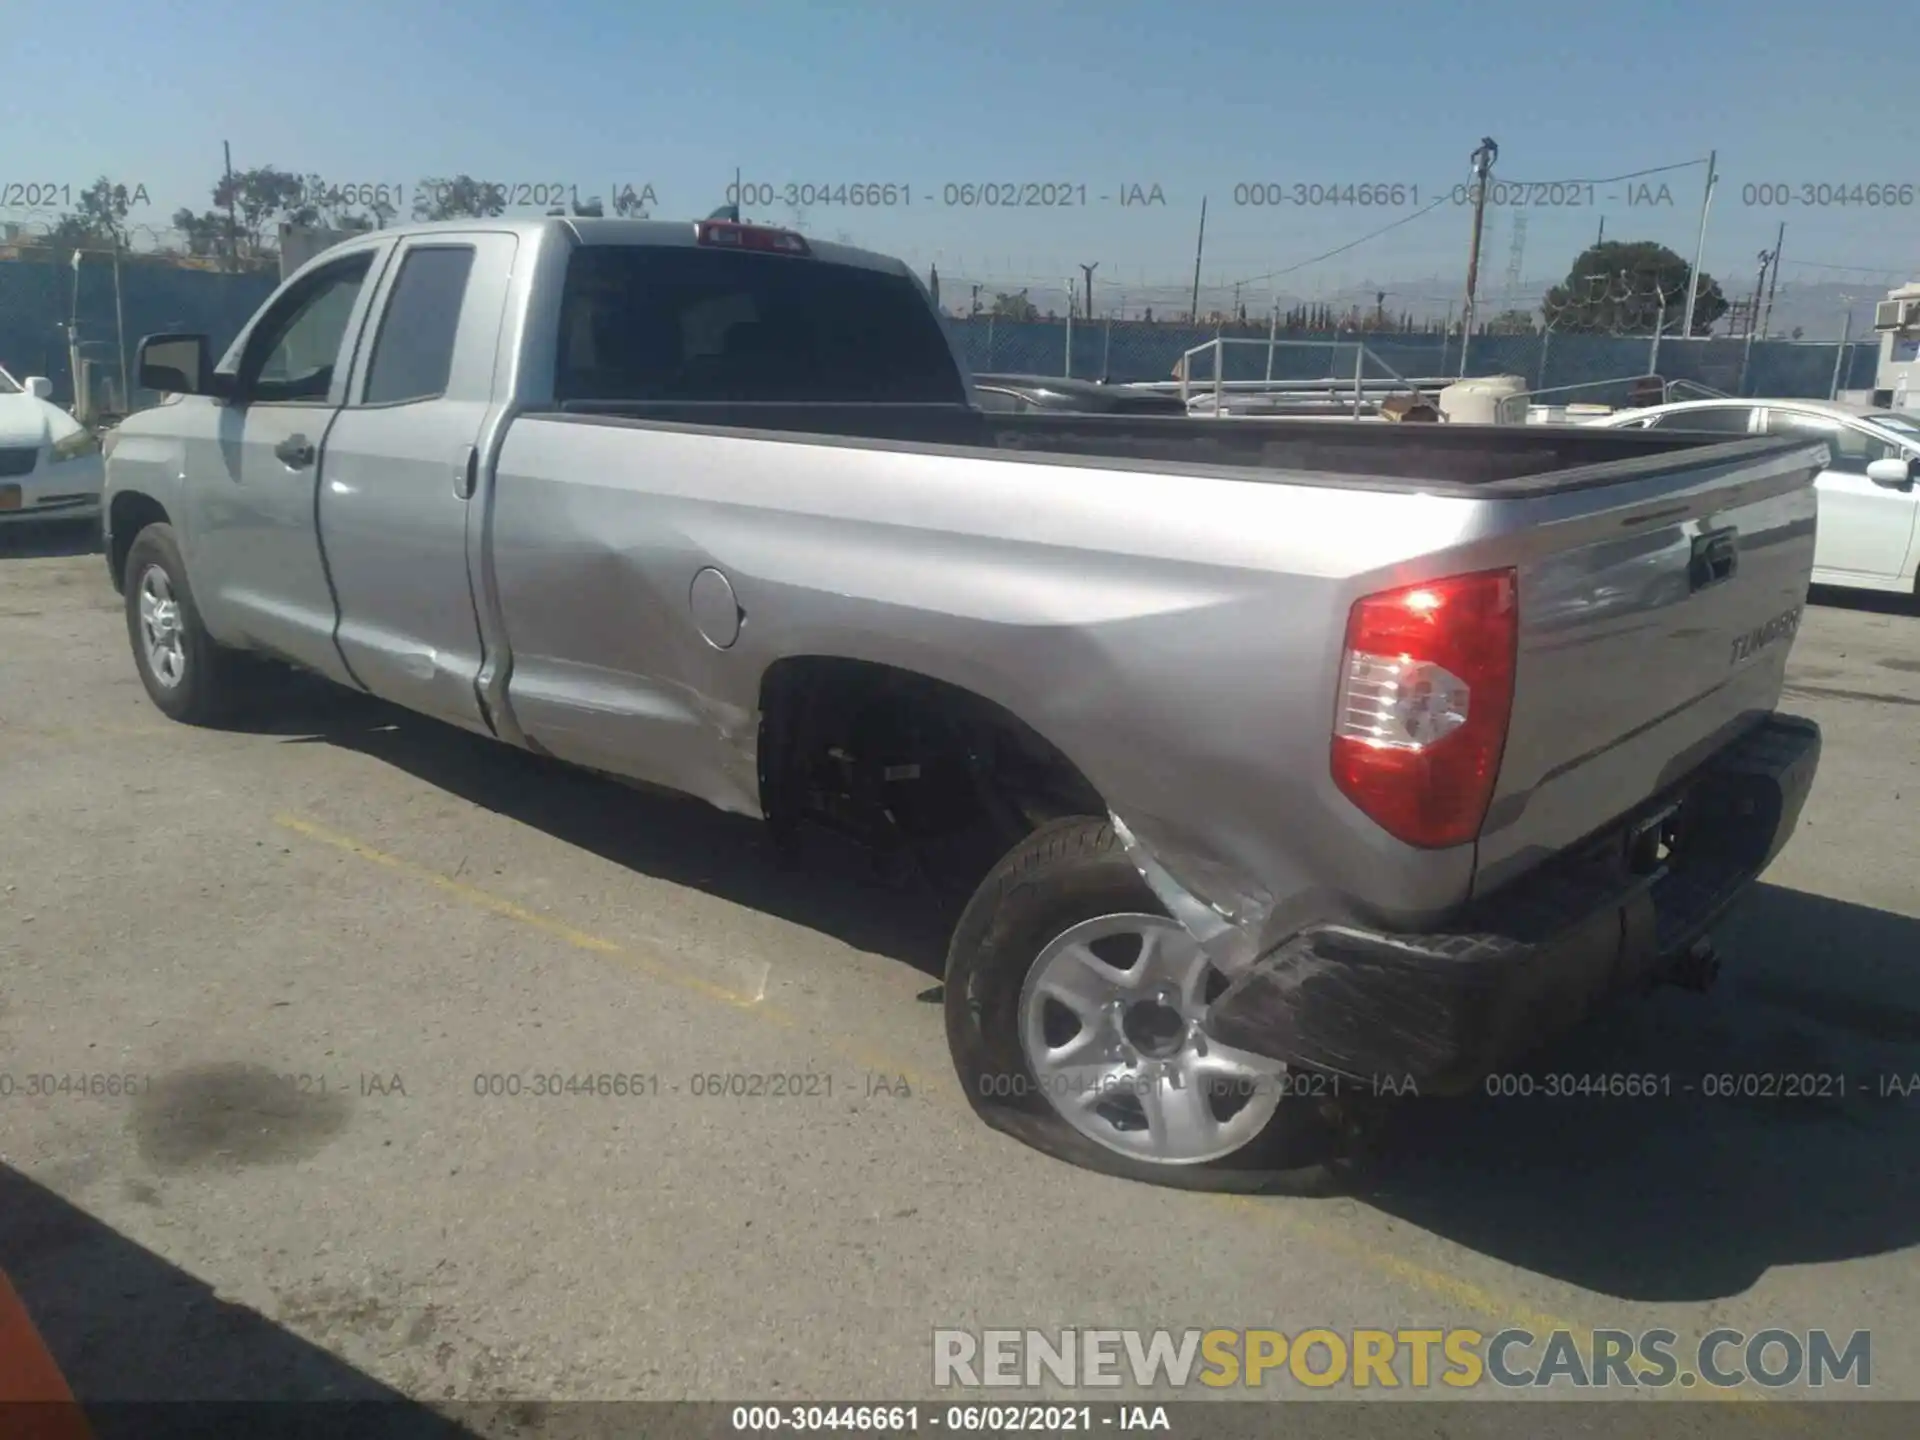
589, 230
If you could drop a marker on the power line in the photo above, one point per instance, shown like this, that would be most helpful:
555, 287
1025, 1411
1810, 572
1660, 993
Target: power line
1855, 269
1341, 250
1610, 179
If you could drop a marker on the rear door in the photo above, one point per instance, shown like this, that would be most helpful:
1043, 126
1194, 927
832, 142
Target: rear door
1865, 528
400, 468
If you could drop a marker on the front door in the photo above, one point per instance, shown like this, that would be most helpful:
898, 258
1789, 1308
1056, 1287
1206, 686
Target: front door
1865, 527
401, 461
255, 509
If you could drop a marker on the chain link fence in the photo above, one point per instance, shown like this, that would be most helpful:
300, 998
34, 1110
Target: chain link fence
52, 309
1129, 351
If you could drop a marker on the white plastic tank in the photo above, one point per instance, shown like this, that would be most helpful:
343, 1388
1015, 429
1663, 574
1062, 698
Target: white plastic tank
1477, 401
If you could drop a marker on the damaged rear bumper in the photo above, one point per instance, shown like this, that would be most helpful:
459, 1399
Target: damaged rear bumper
1536, 957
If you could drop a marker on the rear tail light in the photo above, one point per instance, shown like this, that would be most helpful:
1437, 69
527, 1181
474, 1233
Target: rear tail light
1426, 690
732, 235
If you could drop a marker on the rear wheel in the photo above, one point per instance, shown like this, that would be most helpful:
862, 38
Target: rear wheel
188, 675
1076, 1016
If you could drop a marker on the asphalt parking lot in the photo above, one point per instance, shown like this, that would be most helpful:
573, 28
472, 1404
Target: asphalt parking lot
401, 918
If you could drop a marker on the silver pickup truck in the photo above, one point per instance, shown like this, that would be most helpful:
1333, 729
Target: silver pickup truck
1274, 765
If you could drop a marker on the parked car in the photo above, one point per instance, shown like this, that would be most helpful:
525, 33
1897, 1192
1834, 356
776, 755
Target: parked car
1023, 394
50, 467
1869, 501
1268, 759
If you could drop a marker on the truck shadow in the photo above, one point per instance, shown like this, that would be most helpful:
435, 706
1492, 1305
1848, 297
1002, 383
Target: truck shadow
151, 1351
1677, 1196
1696, 1191
832, 887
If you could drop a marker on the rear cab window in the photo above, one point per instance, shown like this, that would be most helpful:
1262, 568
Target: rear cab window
413, 354
667, 323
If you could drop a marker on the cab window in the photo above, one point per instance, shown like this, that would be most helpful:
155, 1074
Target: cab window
1723, 419
292, 356
1849, 449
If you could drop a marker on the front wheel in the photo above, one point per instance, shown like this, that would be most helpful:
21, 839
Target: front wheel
187, 674
1076, 1016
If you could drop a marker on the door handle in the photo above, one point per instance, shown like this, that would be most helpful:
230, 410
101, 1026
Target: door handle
1715, 557
295, 451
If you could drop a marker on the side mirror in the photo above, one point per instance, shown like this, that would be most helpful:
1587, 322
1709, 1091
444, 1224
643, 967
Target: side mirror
40, 387
1895, 473
177, 365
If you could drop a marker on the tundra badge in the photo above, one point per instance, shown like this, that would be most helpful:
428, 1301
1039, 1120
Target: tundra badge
1781, 627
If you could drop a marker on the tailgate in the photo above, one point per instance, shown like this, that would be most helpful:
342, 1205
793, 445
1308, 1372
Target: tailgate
1655, 619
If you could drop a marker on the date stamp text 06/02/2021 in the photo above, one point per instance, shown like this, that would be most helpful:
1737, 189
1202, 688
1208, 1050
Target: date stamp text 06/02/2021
988, 193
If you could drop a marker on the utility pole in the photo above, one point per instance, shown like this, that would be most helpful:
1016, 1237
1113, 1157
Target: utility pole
1759, 288
1601, 238
1088, 270
1753, 317
120, 327
233, 228
1773, 281
1700, 246
1483, 159
976, 299
1199, 248
1840, 352
73, 336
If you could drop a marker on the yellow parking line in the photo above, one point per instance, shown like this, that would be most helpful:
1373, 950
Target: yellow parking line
655, 968
1414, 1276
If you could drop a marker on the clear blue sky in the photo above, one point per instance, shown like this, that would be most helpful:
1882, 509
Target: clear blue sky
1193, 98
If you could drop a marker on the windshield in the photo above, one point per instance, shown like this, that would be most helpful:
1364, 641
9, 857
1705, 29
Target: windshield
8, 385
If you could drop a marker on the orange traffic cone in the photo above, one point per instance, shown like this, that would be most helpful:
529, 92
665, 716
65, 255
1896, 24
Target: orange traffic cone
35, 1403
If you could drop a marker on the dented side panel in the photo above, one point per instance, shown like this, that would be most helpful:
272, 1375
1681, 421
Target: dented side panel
1178, 646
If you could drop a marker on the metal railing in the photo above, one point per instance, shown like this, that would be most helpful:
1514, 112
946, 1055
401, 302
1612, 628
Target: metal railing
1691, 390
1356, 385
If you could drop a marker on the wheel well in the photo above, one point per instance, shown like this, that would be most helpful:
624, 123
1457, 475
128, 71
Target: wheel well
907, 763
130, 513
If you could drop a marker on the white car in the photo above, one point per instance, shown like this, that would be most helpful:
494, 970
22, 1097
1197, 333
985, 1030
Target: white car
50, 465
1869, 536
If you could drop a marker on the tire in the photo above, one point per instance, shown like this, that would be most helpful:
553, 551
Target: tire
191, 678
1065, 877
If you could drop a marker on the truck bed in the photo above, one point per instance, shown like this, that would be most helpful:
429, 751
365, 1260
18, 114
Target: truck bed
1484, 461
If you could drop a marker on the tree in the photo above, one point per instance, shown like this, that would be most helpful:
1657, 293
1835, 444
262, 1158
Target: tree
1617, 287
630, 206
1511, 322
99, 222
461, 198
103, 210
1013, 307
206, 233
261, 199
375, 217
